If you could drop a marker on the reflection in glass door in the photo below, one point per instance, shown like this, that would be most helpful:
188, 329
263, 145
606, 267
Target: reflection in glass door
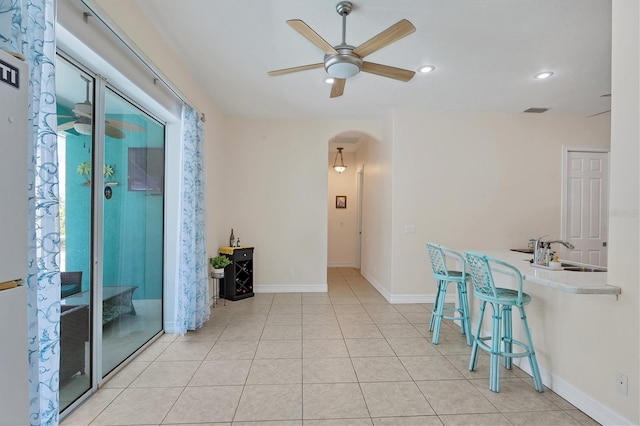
132, 230
74, 96
111, 170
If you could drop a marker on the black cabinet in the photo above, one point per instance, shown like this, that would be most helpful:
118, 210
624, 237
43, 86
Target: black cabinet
238, 276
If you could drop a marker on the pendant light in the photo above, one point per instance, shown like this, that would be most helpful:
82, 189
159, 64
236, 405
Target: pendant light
339, 167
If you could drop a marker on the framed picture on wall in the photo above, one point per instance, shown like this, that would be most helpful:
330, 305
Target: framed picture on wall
341, 201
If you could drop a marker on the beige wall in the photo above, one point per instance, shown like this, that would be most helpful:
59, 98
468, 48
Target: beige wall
477, 181
376, 263
275, 194
617, 336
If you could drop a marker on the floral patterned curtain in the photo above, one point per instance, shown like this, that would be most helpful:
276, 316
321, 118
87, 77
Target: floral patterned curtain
27, 27
192, 288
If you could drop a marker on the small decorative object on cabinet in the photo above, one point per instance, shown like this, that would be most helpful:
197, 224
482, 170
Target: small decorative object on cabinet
238, 278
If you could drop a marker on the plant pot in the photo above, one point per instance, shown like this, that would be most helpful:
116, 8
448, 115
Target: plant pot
218, 273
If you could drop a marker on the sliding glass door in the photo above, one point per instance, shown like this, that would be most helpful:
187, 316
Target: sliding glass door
132, 230
111, 156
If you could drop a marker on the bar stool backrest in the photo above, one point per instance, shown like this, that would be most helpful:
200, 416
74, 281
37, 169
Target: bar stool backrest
438, 256
479, 268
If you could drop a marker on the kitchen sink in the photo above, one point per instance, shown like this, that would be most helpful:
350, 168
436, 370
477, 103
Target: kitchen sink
577, 267
584, 268
568, 266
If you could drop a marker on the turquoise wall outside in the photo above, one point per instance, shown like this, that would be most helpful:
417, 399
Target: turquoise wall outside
133, 220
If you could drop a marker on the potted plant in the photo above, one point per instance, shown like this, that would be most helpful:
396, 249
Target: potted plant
218, 264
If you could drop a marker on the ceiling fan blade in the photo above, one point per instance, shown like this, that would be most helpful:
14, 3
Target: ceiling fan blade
81, 113
337, 88
599, 113
124, 125
112, 132
394, 33
66, 126
294, 69
387, 71
312, 36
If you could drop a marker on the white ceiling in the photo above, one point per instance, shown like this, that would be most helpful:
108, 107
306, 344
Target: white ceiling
485, 52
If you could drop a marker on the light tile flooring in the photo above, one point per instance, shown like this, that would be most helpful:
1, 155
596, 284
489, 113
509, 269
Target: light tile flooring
343, 358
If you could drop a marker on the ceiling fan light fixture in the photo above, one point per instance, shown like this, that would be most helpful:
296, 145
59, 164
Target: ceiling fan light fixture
339, 166
342, 69
329, 80
343, 65
82, 128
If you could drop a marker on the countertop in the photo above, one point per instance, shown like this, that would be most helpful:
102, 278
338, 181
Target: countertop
569, 281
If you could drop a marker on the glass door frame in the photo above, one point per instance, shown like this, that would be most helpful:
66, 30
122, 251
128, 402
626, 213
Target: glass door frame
97, 237
93, 332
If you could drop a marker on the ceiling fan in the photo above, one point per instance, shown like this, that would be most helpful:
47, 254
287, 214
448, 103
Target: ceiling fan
81, 122
344, 61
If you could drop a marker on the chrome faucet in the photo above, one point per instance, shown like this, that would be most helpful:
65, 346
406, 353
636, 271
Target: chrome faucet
538, 257
564, 243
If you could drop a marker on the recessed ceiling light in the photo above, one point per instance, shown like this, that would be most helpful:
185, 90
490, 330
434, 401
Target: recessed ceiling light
543, 75
329, 80
427, 68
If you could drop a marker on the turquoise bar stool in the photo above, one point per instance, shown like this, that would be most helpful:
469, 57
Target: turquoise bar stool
438, 256
480, 269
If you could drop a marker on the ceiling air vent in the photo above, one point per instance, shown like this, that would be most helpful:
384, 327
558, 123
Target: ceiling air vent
536, 110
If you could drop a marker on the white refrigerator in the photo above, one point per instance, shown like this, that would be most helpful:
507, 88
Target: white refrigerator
14, 385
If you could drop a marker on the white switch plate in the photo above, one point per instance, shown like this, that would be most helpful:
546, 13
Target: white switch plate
409, 229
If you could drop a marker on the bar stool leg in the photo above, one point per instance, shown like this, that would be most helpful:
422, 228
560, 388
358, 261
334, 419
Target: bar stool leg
507, 340
434, 309
533, 362
442, 292
473, 360
463, 301
494, 371
460, 309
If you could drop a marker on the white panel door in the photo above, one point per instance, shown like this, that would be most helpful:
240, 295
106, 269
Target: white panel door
587, 199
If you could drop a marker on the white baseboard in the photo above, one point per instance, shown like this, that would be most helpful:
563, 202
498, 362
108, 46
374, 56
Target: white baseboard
420, 298
377, 286
405, 298
289, 288
585, 403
